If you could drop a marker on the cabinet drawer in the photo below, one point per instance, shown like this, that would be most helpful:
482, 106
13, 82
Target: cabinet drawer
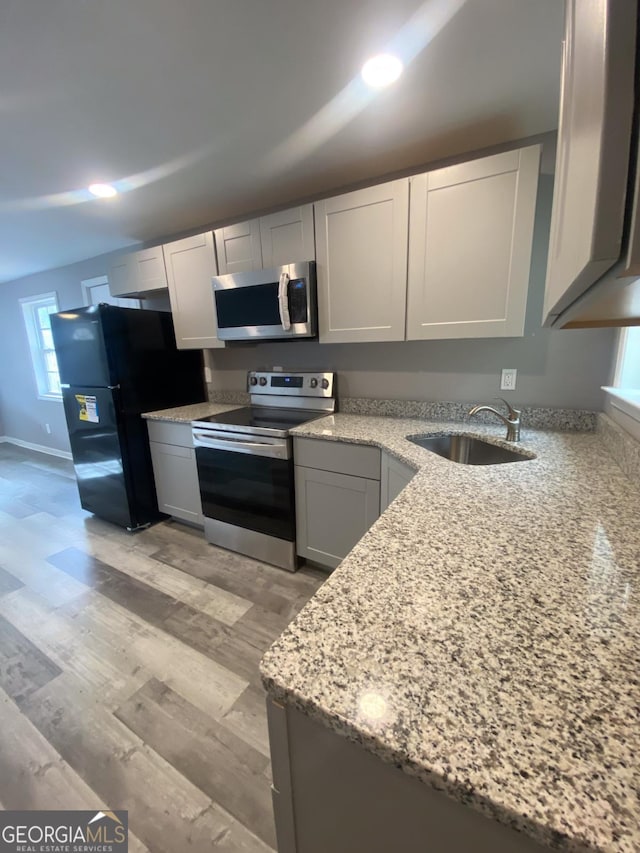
337, 456
168, 432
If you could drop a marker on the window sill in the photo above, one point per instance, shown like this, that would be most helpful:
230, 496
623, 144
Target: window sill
626, 400
56, 398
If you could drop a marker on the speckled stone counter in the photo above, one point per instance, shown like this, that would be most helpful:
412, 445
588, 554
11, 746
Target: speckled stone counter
484, 635
186, 414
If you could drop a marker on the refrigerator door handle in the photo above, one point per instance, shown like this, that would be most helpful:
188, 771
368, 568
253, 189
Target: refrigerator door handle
109, 387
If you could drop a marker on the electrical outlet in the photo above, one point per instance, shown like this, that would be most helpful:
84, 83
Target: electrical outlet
508, 381
47, 429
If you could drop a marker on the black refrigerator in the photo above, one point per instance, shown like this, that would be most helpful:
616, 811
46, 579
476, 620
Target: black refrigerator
115, 363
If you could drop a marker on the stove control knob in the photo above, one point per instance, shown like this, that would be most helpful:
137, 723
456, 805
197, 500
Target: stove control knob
325, 383
314, 383
263, 380
253, 381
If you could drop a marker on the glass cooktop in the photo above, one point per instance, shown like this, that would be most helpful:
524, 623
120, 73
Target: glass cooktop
253, 418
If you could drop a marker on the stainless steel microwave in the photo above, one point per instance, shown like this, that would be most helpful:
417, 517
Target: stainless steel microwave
277, 303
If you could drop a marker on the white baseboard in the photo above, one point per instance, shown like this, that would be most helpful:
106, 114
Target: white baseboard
41, 448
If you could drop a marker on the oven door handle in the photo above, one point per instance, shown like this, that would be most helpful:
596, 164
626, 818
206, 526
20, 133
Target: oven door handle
278, 450
283, 301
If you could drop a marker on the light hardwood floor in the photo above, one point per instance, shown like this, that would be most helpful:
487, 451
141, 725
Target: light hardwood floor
129, 668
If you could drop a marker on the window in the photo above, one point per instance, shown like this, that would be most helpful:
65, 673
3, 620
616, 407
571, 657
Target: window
627, 375
96, 290
624, 393
36, 311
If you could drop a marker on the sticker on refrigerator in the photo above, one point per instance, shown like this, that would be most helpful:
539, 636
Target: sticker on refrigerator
88, 408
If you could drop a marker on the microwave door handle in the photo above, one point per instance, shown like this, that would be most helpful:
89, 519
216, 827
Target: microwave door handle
283, 301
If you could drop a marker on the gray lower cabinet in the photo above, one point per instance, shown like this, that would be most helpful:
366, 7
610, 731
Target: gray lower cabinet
175, 471
332, 795
394, 476
337, 497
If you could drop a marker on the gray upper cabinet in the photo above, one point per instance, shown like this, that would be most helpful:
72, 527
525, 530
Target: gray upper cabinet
596, 109
361, 251
287, 236
470, 239
270, 241
238, 247
190, 265
121, 275
138, 273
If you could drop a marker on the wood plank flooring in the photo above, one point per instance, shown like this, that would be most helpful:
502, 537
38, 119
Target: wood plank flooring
129, 668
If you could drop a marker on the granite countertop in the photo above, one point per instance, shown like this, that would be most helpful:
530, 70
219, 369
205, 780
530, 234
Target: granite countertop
186, 414
484, 635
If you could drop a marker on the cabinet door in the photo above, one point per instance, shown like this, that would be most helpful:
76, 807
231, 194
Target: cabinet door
238, 247
176, 477
138, 272
287, 236
121, 275
333, 512
596, 108
361, 248
150, 273
470, 238
395, 476
190, 265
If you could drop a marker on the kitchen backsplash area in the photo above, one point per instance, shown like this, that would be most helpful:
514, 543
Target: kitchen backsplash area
534, 417
574, 420
556, 369
240, 398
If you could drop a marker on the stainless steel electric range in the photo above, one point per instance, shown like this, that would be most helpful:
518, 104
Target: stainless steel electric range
245, 464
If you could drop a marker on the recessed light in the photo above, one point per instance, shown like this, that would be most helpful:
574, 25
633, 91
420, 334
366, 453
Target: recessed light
102, 190
381, 70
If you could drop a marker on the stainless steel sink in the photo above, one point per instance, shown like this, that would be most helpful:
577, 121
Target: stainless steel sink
467, 450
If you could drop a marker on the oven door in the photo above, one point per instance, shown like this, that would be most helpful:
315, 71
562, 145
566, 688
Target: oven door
273, 303
247, 481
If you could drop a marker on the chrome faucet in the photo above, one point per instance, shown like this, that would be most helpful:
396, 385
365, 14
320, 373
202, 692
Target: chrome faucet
511, 420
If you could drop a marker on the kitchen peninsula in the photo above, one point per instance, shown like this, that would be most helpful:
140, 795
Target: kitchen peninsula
483, 639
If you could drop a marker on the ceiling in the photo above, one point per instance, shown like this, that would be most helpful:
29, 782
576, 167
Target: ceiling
209, 109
